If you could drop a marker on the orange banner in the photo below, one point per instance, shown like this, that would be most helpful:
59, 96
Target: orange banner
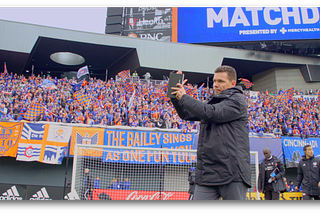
9, 135
84, 135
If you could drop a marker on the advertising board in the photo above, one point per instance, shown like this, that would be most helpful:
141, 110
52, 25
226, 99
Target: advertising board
235, 24
152, 23
18, 192
110, 194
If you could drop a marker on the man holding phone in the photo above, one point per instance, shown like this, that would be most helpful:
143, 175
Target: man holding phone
223, 156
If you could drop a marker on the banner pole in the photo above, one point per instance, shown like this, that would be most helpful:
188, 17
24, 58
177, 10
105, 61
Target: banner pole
66, 172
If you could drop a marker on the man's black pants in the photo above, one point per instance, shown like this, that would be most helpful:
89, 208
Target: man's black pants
309, 197
269, 194
233, 191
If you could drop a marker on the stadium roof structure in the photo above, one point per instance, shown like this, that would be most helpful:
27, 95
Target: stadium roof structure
23, 46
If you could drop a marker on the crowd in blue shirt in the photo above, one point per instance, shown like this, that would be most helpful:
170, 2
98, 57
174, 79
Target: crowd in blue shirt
117, 184
297, 117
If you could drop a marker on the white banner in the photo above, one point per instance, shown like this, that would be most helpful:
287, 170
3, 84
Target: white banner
254, 96
83, 71
28, 152
58, 133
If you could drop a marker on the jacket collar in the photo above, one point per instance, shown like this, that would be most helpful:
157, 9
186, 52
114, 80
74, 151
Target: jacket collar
228, 92
305, 158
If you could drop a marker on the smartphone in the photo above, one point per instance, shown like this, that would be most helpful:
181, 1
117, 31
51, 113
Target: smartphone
174, 78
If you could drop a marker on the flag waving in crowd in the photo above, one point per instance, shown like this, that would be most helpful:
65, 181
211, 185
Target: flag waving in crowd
124, 74
128, 87
48, 84
191, 91
5, 71
287, 95
246, 83
34, 111
83, 99
83, 71
158, 95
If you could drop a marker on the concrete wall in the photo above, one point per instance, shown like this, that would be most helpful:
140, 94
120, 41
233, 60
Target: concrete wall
286, 78
34, 173
265, 80
283, 78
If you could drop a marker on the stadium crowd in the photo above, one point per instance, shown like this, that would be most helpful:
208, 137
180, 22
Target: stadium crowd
109, 105
298, 116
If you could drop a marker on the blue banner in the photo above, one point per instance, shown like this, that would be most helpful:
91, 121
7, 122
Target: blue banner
274, 144
293, 149
233, 24
150, 139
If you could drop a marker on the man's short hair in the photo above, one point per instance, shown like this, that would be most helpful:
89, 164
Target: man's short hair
305, 147
232, 74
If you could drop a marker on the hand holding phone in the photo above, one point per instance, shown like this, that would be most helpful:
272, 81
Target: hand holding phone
174, 78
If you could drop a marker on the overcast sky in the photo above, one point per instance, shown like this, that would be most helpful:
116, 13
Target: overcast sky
89, 19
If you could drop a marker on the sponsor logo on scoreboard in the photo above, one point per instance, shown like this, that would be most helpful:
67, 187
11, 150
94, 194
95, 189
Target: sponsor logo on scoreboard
221, 24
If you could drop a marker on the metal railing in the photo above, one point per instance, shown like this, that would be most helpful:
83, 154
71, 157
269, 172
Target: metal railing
142, 81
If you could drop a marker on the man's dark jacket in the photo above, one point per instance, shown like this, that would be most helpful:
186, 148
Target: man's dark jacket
89, 183
279, 185
223, 146
309, 175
